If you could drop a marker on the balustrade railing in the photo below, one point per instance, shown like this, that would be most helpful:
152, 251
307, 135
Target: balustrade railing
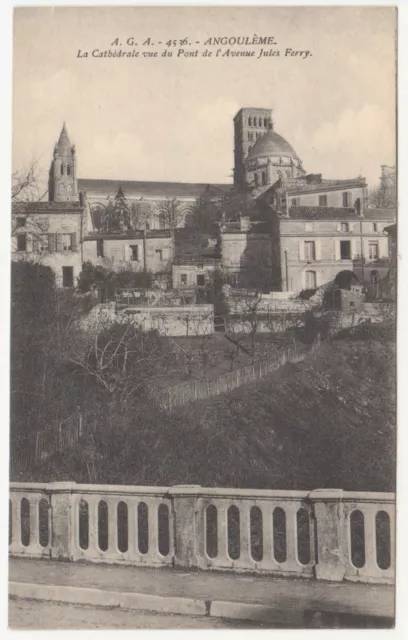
323, 534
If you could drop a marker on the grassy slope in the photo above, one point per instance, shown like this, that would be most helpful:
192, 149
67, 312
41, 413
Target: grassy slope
326, 422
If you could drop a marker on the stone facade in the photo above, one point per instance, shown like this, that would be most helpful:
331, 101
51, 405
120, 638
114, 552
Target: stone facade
137, 251
314, 249
50, 233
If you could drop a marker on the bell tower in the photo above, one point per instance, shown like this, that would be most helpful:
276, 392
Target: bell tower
62, 182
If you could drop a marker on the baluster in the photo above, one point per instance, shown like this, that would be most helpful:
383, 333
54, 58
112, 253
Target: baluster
222, 533
112, 526
133, 549
370, 511
245, 557
267, 534
16, 522
153, 526
291, 536
34, 502
93, 547
391, 513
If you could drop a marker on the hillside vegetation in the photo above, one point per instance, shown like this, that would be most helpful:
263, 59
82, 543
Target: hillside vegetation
326, 422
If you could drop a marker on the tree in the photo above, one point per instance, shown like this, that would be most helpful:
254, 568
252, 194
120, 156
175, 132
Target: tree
26, 198
171, 213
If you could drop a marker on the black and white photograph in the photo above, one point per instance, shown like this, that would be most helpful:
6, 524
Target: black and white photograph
203, 304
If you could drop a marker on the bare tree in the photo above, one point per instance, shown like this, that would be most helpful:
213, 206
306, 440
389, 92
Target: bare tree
172, 212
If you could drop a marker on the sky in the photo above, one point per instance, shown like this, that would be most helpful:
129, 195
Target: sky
171, 119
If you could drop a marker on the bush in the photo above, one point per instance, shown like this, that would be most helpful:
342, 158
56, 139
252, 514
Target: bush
107, 280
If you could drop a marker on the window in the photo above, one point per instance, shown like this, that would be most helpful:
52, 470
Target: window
162, 221
41, 243
265, 122
255, 122
20, 222
344, 226
66, 240
374, 276
159, 254
135, 253
67, 276
347, 199
323, 201
310, 279
310, 252
62, 169
200, 280
99, 249
21, 242
345, 250
263, 177
295, 202
147, 225
250, 122
373, 250
183, 278
375, 226
256, 180
250, 136
68, 169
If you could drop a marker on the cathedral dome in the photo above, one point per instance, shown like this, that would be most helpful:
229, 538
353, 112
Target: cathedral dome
272, 144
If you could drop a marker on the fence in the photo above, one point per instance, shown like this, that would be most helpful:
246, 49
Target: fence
323, 534
181, 394
34, 448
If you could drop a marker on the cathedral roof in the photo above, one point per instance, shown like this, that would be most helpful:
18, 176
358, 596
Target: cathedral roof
272, 144
64, 144
105, 188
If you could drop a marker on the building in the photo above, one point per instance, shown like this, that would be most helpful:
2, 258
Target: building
261, 155
393, 260
53, 231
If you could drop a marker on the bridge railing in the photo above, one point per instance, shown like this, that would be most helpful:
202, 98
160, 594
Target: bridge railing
324, 534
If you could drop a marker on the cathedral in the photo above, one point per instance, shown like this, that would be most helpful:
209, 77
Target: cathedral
317, 226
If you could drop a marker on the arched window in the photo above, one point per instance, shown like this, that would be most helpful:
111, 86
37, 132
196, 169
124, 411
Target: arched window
62, 169
162, 221
310, 279
250, 122
250, 135
255, 122
288, 174
374, 276
265, 122
68, 169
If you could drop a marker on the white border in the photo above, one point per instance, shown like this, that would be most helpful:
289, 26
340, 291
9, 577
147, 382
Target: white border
5, 166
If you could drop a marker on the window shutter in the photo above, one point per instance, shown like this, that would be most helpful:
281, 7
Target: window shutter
59, 241
337, 249
301, 250
74, 245
318, 250
52, 242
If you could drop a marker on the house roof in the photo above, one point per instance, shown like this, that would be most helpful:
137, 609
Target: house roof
324, 185
105, 188
338, 213
44, 207
380, 214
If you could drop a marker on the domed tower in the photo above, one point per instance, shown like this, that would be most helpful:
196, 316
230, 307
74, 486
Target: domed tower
62, 182
271, 158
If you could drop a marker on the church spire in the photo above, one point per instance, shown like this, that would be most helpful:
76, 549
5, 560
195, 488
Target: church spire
62, 179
